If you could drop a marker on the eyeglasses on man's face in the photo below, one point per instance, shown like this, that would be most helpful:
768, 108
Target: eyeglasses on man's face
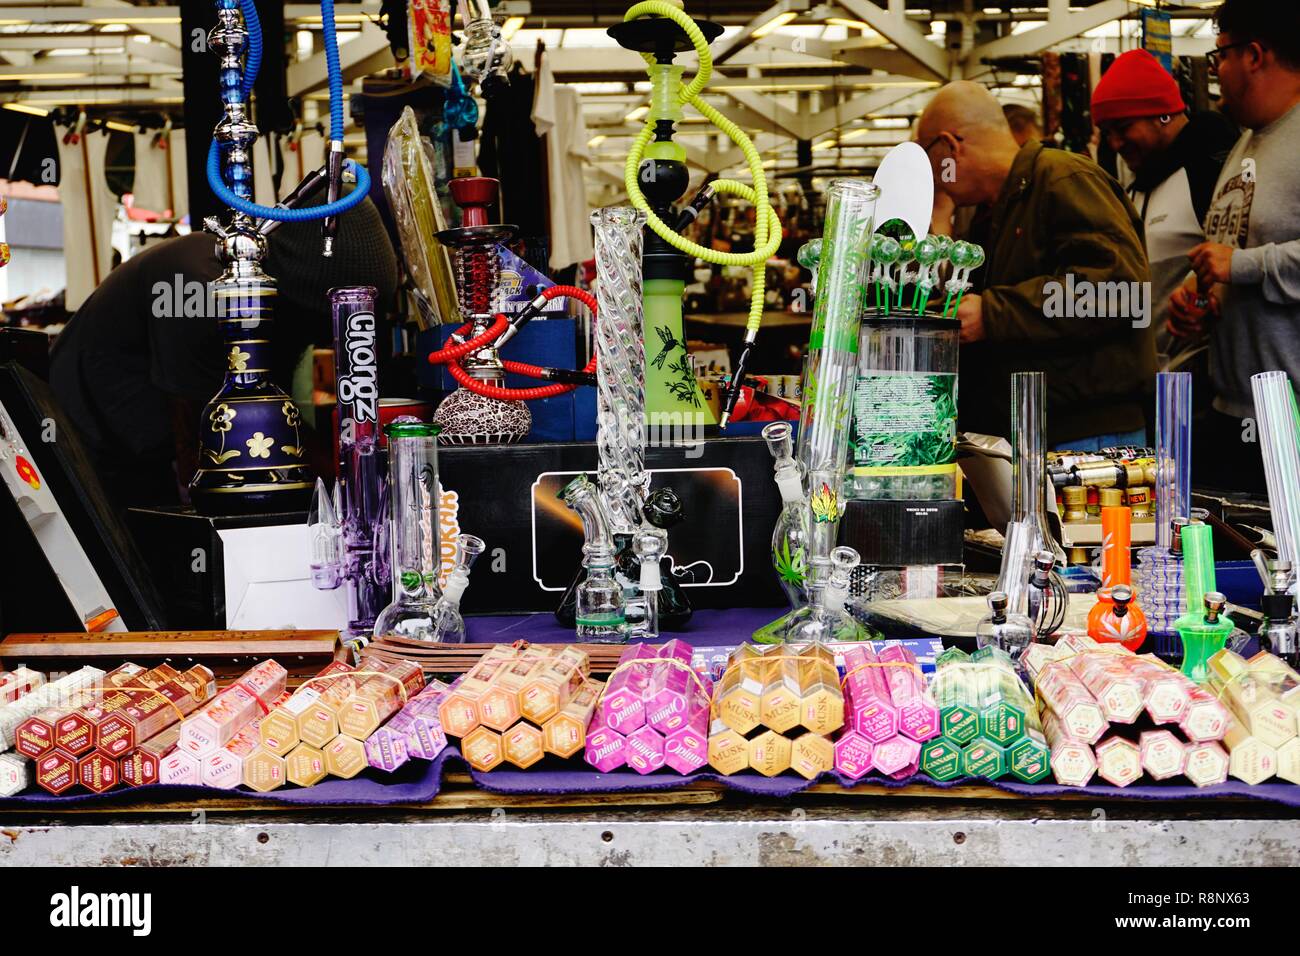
1214, 56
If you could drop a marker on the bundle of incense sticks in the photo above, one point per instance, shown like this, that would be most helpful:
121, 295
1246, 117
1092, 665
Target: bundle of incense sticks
320, 731
1263, 694
214, 724
18, 683
775, 709
889, 713
518, 704
53, 694
414, 731
988, 722
1109, 712
456, 659
655, 713
84, 742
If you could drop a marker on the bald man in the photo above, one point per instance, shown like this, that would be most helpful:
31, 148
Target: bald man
1065, 287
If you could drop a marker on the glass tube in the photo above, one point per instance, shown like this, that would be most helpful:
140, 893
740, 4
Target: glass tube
1275, 411
831, 369
620, 366
1198, 565
1173, 452
1017, 562
1029, 460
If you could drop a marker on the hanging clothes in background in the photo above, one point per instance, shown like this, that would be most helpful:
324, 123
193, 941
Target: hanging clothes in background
557, 113
179, 198
89, 208
149, 191
510, 150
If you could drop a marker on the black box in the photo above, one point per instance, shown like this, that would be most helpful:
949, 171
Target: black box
507, 495
900, 533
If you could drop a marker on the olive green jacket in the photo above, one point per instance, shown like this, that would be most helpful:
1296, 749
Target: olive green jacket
1064, 245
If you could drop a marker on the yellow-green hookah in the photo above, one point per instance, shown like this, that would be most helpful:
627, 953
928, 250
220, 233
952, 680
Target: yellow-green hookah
657, 161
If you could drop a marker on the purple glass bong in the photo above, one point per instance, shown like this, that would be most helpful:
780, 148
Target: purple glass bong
348, 527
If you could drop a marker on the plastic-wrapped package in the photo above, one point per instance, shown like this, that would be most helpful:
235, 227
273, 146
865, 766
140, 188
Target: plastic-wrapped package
410, 186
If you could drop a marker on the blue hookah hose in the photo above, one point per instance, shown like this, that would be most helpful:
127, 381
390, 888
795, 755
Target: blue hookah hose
253, 63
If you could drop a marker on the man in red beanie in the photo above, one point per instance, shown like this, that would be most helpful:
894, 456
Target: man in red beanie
1175, 161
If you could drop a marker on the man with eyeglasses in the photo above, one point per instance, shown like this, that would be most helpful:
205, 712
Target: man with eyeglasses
1246, 288
1175, 160
1058, 226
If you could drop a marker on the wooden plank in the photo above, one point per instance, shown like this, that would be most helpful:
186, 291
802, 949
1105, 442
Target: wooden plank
198, 644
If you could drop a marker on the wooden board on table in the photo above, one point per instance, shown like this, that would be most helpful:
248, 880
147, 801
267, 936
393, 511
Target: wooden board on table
458, 658
226, 653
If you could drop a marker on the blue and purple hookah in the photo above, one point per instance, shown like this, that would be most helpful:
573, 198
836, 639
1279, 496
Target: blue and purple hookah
252, 460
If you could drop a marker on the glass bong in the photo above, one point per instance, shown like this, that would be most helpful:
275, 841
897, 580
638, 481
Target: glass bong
600, 608
347, 526
1004, 628
421, 610
829, 376
629, 510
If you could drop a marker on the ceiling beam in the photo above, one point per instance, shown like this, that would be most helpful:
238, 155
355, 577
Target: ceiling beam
894, 26
787, 9
1061, 25
368, 53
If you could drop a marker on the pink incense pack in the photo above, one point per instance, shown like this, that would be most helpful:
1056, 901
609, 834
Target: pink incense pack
214, 724
869, 709
224, 769
918, 718
605, 747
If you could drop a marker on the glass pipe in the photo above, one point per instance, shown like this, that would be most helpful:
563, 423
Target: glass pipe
1279, 441
789, 537
843, 561
345, 525
831, 369
1003, 628
1173, 485
965, 257
601, 610
807, 257
650, 545
1205, 630
1017, 562
1278, 635
448, 626
416, 554
884, 252
928, 255
907, 255
830, 372
620, 366
1116, 619
1047, 597
486, 52
1028, 461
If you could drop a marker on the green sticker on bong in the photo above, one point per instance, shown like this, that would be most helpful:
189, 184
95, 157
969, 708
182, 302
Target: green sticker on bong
904, 420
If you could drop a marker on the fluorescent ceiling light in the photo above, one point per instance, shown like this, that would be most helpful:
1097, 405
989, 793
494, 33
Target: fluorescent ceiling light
851, 24
120, 127
778, 21
827, 144
511, 27
43, 76
24, 108
639, 113
596, 140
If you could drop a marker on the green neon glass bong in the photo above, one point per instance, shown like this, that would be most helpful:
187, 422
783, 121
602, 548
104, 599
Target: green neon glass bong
656, 177
1205, 627
829, 377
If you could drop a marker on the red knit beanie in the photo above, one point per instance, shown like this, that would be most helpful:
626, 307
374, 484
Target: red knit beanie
1135, 85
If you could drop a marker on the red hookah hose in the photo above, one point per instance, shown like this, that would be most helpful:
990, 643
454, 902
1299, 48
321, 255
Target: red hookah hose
451, 355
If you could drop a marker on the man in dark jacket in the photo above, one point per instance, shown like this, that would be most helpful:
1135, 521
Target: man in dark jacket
1065, 288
